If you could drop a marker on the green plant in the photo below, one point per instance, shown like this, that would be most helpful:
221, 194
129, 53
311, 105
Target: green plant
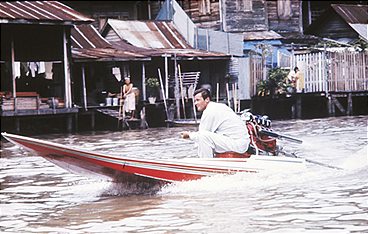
152, 82
274, 84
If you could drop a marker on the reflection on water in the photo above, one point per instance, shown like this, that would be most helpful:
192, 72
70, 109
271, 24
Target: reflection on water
38, 197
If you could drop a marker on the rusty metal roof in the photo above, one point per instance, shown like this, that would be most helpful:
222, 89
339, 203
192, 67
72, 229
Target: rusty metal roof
34, 12
188, 54
156, 37
89, 45
105, 54
86, 36
261, 35
148, 34
352, 14
356, 16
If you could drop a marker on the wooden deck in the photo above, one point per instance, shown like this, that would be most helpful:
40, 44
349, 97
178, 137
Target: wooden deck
122, 122
48, 111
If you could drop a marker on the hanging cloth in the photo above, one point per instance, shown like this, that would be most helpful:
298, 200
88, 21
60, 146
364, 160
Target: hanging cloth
116, 73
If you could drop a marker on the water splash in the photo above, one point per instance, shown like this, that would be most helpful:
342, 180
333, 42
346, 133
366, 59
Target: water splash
357, 160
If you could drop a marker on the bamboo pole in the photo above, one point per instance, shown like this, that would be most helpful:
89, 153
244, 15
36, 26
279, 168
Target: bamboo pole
193, 102
176, 88
84, 87
228, 94
163, 92
234, 98
181, 90
121, 104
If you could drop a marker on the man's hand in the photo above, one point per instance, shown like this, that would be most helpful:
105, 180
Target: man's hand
184, 135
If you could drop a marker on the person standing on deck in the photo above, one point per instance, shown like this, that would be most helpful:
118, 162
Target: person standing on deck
296, 80
220, 130
129, 97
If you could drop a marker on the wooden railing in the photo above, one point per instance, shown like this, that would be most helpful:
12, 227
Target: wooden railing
334, 71
348, 71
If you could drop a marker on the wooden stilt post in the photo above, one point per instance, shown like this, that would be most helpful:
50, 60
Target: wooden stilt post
228, 94
331, 107
181, 91
84, 88
75, 122
298, 106
17, 125
349, 109
69, 124
176, 89
93, 122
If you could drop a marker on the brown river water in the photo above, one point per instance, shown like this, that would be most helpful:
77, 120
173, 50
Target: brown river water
39, 197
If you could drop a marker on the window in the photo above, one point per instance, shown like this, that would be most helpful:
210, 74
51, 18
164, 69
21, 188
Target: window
204, 7
244, 5
284, 9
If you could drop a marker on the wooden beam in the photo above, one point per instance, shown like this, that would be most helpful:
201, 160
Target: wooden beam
12, 61
144, 92
349, 109
338, 104
84, 88
66, 70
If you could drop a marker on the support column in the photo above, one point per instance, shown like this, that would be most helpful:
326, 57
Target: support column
93, 124
331, 107
76, 122
84, 88
17, 124
69, 123
166, 77
12, 61
349, 109
144, 92
298, 106
176, 89
66, 69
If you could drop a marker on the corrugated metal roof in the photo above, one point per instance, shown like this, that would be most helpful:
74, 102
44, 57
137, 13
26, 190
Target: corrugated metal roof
86, 36
356, 16
149, 34
105, 54
261, 35
188, 54
361, 29
157, 38
27, 12
352, 14
89, 45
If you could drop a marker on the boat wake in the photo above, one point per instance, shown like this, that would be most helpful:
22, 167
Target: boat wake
238, 182
132, 188
356, 161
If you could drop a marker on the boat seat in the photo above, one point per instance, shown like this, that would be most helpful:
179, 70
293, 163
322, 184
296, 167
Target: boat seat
250, 151
232, 155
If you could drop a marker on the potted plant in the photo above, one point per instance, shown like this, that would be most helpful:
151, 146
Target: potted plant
152, 89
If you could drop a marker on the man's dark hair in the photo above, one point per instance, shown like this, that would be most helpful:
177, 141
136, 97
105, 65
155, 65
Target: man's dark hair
204, 92
296, 68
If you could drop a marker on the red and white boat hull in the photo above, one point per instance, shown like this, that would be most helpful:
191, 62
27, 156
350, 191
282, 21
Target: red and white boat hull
144, 170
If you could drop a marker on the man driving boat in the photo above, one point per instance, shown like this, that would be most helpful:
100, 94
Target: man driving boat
220, 130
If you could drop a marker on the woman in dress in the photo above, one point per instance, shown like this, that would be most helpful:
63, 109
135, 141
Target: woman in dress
129, 97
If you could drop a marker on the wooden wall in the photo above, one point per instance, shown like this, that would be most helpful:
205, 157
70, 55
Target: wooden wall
284, 24
263, 15
210, 20
238, 19
335, 27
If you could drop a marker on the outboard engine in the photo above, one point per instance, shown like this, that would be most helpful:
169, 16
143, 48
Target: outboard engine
258, 140
260, 143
